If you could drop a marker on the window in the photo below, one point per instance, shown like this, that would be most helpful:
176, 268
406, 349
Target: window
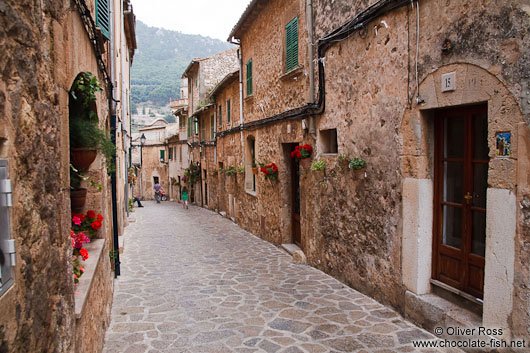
203, 129
291, 45
195, 80
250, 161
196, 124
328, 140
162, 155
220, 116
249, 77
103, 17
212, 127
170, 153
189, 127
7, 245
228, 111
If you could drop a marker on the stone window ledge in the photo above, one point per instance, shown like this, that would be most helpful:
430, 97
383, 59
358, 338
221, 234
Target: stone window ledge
251, 193
249, 98
95, 248
293, 73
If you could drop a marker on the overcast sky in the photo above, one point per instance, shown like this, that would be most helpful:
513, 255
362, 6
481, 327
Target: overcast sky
212, 18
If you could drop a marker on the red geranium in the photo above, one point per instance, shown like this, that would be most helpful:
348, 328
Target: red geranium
270, 171
99, 217
302, 152
84, 253
91, 214
95, 225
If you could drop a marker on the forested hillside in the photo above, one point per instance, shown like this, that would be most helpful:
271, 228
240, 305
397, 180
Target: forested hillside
161, 58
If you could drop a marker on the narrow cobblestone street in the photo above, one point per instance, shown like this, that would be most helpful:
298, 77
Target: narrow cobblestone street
192, 281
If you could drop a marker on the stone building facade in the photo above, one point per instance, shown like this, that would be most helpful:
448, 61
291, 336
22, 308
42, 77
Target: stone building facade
437, 225
45, 46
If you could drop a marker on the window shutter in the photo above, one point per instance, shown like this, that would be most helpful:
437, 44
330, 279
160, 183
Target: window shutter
291, 45
228, 111
162, 155
103, 17
220, 116
249, 77
189, 127
212, 127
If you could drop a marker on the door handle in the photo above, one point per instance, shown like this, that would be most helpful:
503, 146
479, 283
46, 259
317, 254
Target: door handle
468, 197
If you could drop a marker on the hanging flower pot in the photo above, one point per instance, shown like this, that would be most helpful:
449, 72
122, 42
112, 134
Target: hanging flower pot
305, 163
77, 200
255, 170
359, 174
82, 158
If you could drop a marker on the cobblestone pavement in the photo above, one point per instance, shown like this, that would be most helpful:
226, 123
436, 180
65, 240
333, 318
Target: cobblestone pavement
193, 281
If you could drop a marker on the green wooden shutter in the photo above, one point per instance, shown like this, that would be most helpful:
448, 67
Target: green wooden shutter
249, 77
103, 17
291, 45
203, 129
189, 127
162, 155
212, 127
220, 116
228, 111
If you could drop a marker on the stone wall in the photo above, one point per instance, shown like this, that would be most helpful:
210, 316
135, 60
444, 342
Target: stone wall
44, 48
264, 42
352, 227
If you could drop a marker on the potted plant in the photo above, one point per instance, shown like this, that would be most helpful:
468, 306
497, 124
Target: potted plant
358, 165
270, 172
343, 160
254, 168
77, 193
86, 137
302, 154
230, 171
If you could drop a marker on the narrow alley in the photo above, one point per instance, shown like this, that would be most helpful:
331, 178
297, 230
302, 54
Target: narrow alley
193, 281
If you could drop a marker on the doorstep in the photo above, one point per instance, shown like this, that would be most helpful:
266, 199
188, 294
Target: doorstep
297, 253
291, 248
432, 310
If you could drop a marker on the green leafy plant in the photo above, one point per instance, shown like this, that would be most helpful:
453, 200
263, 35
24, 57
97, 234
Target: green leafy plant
76, 177
343, 159
192, 174
131, 203
240, 169
213, 172
230, 171
357, 164
318, 165
84, 123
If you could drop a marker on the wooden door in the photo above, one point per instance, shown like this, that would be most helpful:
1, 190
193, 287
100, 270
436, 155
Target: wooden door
460, 179
295, 200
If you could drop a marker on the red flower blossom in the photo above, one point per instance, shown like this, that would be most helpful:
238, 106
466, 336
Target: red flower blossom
91, 214
302, 152
95, 225
84, 253
99, 217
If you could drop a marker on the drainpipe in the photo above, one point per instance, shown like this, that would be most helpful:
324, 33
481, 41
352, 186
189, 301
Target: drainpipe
240, 59
310, 50
112, 108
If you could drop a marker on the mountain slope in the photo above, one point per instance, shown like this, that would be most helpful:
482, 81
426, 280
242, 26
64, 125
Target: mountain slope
160, 60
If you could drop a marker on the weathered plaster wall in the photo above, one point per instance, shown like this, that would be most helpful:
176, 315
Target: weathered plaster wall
153, 167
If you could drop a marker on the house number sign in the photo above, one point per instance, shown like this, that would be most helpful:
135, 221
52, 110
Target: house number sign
448, 82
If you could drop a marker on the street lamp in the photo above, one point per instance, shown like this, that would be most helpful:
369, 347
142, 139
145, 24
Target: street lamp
142, 143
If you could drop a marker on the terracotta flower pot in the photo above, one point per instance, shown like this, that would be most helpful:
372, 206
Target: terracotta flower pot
305, 163
255, 170
77, 200
358, 174
82, 158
